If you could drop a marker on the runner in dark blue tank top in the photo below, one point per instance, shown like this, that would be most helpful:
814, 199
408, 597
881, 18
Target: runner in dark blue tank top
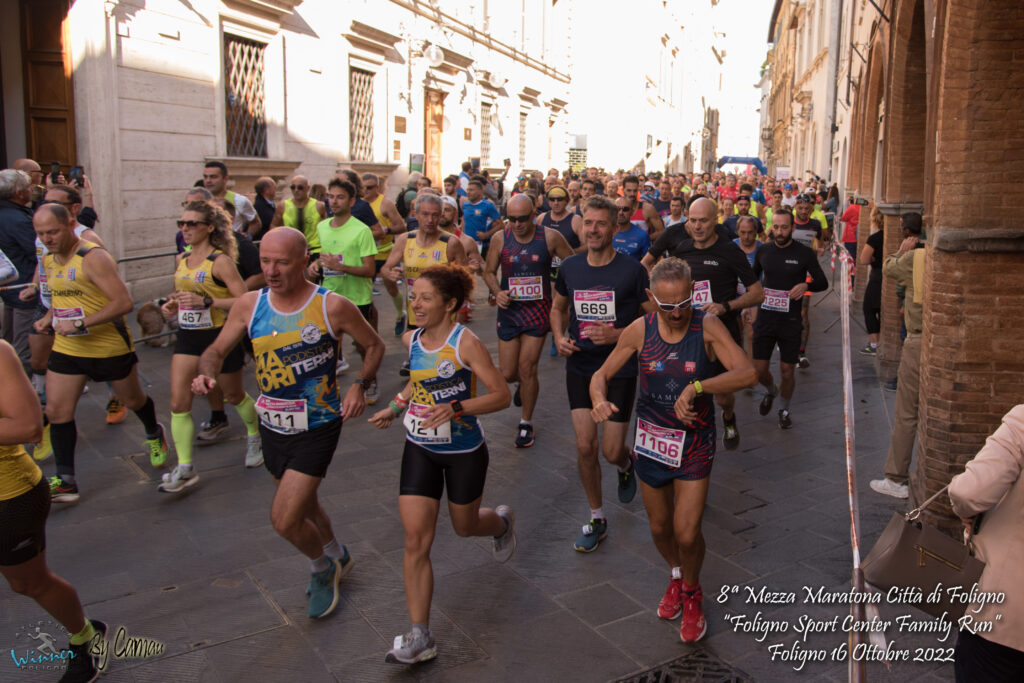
679, 350
523, 252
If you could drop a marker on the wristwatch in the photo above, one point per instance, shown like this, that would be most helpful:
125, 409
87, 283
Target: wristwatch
79, 324
457, 407
361, 382
207, 301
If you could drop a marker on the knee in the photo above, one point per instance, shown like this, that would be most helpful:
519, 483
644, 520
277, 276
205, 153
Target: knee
661, 527
284, 524
786, 371
180, 405
462, 528
417, 543
688, 538
234, 397
32, 587
527, 368
509, 374
586, 450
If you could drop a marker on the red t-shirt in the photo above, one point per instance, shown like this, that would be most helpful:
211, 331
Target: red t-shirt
730, 192
851, 217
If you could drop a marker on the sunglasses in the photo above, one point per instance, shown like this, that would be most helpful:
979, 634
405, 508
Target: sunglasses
670, 308
520, 219
298, 187
190, 224
557, 199
624, 208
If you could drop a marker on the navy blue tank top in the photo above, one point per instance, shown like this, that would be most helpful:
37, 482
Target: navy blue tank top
563, 226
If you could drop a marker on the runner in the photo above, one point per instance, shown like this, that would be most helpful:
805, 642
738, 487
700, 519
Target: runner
731, 222
24, 507
481, 218
89, 302
629, 239
346, 261
811, 233
783, 266
675, 437
206, 284
215, 180
561, 219
675, 216
607, 291
392, 224
748, 244
644, 215
523, 253
301, 212
422, 248
295, 327
444, 444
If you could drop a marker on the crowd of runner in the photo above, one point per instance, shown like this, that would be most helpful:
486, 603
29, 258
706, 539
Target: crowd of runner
660, 290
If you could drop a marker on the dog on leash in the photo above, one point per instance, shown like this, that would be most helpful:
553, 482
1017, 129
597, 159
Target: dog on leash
151, 321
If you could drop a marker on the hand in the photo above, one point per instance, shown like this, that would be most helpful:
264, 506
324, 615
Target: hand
748, 315
504, 298
40, 325
714, 309
313, 270
392, 274
28, 293
202, 385
188, 299
684, 405
602, 334
86, 185
382, 418
354, 403
170, 308
438, 415
798, 291
909, 244
64, 327
603, 411
332, 261
566, 346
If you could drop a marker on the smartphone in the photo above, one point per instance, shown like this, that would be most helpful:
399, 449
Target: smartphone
54, 171
507, 162
76, 176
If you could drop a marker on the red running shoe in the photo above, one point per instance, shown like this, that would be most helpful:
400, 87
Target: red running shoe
693, 626
671, 605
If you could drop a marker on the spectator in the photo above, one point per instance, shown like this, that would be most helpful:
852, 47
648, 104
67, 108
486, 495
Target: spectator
850, 219
18, 242
266, 194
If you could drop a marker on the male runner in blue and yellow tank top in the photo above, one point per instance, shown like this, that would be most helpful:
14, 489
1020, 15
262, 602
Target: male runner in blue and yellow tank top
295, 326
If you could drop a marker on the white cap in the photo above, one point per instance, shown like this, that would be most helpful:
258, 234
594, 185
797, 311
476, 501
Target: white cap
450, 201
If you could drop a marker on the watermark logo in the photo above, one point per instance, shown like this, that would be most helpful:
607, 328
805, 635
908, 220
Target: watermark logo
37, 647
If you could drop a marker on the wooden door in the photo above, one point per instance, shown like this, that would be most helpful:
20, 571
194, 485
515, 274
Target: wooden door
432, 131
49, 98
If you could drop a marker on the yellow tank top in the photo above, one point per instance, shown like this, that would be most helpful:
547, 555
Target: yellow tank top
201, 281
306, 221
385, 243
18, 472
415, 259
74, 296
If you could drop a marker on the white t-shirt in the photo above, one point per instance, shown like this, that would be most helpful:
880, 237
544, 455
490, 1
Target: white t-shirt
244, 212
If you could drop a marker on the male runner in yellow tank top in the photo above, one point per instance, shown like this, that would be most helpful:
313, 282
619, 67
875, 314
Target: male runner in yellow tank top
89, 302
301, 212
393, 224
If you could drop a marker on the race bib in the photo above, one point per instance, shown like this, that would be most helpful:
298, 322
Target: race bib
330, 272
526, 288
194, 318
409, 281
414, 419
701, 293
659, 443
284, 416
70, 314
593, 306
776, 300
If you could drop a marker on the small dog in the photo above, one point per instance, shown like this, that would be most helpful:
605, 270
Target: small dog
151, 321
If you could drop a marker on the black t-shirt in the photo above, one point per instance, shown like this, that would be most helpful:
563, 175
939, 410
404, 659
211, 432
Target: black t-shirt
781, 269
674, 235
877, 242
611, 294
805, 233
715, 271
248, 256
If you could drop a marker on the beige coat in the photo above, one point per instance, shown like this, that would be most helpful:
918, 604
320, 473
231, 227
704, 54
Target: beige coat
992, 483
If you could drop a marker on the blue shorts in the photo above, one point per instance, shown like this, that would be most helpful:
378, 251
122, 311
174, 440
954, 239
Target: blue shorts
692, 468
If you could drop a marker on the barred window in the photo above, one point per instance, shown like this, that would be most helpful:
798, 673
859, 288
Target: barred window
360, 111
245, 108
522, 139
485, 134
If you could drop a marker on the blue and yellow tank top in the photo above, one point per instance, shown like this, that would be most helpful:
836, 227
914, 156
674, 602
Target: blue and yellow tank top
439, 376
203, 282
305, 219
296, 358
73, 295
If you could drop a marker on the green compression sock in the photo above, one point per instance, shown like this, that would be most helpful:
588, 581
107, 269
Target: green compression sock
247, 411
399, 302
182, 432
85, 635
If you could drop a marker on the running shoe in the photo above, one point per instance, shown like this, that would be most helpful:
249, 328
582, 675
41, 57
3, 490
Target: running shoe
869, 350
517, 400
179, 478
324, 594
43, 449
803, 362
766, 404
253, 451
693, 626
400, 326
372, 393
342, 366
83, 664
595, 531
671, 605
525, 437
730, 435
63, 492
346, 562
115, 411
413, 647
627, 485
157, 448
404, 370
505, 544
889, 488
784, 421
891, 384
211, 432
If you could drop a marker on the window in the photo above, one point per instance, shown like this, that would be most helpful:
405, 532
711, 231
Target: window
522, 139
485, 134
245, 108
360, 111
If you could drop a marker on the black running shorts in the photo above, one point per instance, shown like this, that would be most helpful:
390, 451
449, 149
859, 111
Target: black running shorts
787, 341
307, 452
621, 392
424, 473
97, 369
195, 342
23, 532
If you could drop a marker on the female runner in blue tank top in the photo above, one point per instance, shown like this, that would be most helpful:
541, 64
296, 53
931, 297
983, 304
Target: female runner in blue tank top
679, 350
444, 443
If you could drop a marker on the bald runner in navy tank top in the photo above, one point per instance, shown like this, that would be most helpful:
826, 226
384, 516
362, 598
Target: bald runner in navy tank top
525, 274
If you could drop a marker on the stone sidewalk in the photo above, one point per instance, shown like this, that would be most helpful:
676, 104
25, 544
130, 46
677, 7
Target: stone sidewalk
204, 573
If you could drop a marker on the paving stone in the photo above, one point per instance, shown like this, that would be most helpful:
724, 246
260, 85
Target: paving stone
601, 604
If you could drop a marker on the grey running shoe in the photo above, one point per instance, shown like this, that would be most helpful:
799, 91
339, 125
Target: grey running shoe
177, 479
784, 421
209, 432
372, 393
253, 451
413, 647
505, 544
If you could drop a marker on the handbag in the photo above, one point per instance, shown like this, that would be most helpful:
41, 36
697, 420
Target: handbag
910, 554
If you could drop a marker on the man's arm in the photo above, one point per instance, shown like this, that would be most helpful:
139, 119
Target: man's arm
654, 222
456, 254
230, 334
390, 211
557, 244
491, 269
819, 283
278, 219
560, 323
345, 318
630, 341
577, 227
900, 266
394, 256
99, 267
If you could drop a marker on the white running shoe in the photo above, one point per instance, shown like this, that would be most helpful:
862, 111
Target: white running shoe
253, 451
179, 478
888, 487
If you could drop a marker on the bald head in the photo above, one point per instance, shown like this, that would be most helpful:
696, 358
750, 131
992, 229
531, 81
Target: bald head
55, 212
703, 206
288, 240
521, 203
27, 165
